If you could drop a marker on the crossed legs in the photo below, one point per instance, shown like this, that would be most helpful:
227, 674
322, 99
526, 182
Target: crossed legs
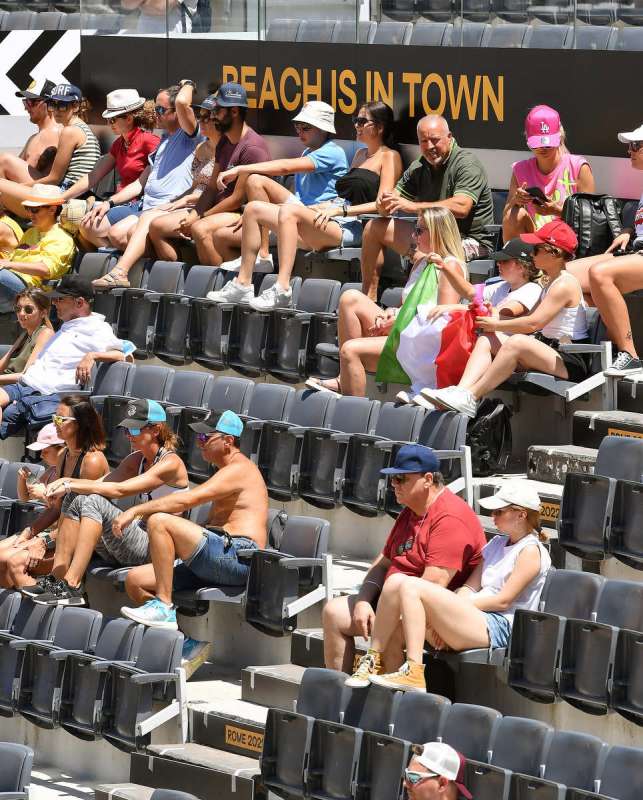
378, 235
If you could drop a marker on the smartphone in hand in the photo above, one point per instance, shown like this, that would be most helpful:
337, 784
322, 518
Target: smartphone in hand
539, 197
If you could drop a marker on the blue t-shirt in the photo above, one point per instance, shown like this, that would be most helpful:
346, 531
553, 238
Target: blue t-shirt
171, 173
318, 186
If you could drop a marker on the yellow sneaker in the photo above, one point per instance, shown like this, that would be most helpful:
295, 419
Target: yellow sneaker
408, 678
367, 667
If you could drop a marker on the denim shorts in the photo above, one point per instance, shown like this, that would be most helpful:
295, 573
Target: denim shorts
214, 564
121, 212
16, 391
351, 231
499, 629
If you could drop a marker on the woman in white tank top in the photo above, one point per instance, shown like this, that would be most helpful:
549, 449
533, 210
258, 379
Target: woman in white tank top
559, 318
479, 614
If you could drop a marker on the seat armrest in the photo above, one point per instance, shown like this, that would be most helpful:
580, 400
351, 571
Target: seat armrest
13, 795
23, 644
83, 393
296, 563
386, 444
185, 301
256, 424
119, 291
325, 315
155, 297
103, 666
60, 655
173, 411
580, 348
298, 431
153, 677
247, 553
340, 437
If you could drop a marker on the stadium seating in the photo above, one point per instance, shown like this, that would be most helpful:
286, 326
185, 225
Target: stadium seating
16, 761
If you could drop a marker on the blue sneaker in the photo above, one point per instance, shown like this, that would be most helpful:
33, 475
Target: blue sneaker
154, 614
195, 653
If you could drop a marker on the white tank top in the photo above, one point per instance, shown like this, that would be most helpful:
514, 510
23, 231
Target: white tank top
569, 324
498, 562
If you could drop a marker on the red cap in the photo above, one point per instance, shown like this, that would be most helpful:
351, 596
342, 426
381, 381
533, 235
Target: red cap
557, 233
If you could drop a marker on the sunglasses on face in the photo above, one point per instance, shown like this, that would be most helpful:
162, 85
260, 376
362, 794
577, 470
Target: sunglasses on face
112, 120
206, 116
36, 209
302, 128
24, 309
135, 431
202, 438
417, 777
359, 122
58, 419
634, 147
161, 110
58, 105
547, 248
30, 103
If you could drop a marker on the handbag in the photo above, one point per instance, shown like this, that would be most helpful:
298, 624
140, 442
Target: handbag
38, 408
596, 220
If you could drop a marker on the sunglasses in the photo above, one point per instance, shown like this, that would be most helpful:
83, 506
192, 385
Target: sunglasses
59, 105
400, 479
302, 128
160, 111
202, 438
135, 431
634, 147
57, 419
24, 309
30, 103
405, 546
206, 116
417, 777
36, 209
553, 251
111, 120
359, 122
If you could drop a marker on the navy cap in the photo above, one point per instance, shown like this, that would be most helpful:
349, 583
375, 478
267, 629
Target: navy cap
141, 413
413, 458
209, 103
73, 286
228, 423
231, 94
65, 93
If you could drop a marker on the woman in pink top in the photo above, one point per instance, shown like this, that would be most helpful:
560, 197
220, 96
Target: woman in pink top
553, 170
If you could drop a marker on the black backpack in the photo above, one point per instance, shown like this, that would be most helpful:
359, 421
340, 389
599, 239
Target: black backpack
201, 19
489, 437
596, 220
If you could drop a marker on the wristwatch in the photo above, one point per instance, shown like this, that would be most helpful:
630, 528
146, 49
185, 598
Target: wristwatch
110, 203
188, 82
48, 540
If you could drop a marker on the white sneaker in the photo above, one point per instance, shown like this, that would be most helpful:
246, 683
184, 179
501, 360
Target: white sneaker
232, 292
274, 297
456, 399
418, 400
262, 264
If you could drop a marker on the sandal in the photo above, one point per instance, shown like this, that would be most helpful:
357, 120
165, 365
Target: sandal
113, 280
318, 385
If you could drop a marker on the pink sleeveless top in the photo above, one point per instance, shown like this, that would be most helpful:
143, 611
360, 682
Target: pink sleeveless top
558, 185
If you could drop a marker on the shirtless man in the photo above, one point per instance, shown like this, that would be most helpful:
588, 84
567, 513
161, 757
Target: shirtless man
38, 154
237, 521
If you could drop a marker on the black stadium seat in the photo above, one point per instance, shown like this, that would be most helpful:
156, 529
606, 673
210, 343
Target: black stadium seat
315, 30
9, 605
432, 34
345, 30
471, 729
549, 37
626, 524
621, 776
16, 761
436, 10
269, 401
393, 33
282, 30
95, 265
594, 37
400, 10
468, 34
108, 301
504, 35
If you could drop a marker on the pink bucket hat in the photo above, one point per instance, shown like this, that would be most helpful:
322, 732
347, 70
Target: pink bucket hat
47, 437
542, 127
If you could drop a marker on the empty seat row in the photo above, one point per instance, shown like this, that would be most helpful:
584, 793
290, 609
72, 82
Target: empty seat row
92, 676
556, 32
61, 21
344, 742
583, 645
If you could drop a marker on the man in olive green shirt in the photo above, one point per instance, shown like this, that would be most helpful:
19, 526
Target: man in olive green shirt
444, 175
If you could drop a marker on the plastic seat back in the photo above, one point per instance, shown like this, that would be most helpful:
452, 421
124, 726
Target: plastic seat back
468, 34
9, 476
189, 388
16, 761
507, 35
438, 10
393, 33
19, 21
470, 728
622, 775
626, 528
282, 30
584, 515
271, 401
95, 265
47, 21
9, 604
549, 37
620, 457
323, 694
346, 32
231, 393
630, 39
113, 378
315, 30
594, 37
574, 759
420, 718
520, 744
400, 10
431, 34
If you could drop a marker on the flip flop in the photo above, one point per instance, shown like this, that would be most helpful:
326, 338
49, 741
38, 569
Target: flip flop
317, 385
111, 281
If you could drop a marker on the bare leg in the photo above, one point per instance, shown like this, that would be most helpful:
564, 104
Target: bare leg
339, 633
608, 282
88, 536
118, 234
580, 267
66, 543
387, 618
170, 537
16, 572
378, 235
96, 233
137, 243
355, 358
295, 225
213, 237
480, 359
13, 168
164, 234
140, 584
256, 214
356, 314
516, 220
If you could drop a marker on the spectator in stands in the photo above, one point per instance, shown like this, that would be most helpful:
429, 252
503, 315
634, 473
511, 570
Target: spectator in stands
131, 119
559, 318
28, 165
363, 327
608, 280
45, 251
152, 470
162, 16
444, 175
215, 211
32, 312
49, 444
10, 235
437, 538
166, 179
553, 173
436, 772
77, 154
67, 360
321, 164
237, 521
514, 296
480, 613
30, 553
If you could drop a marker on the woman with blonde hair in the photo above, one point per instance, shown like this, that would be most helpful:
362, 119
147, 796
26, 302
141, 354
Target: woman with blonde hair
152, 470
478, 614
363, 327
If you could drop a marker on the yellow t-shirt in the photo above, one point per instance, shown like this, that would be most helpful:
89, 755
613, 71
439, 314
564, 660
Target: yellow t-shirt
5, 219
55, 248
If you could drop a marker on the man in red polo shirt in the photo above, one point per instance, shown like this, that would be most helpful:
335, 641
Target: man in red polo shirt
437, 537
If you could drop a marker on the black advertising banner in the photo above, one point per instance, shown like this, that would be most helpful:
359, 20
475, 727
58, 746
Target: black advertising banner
484, 93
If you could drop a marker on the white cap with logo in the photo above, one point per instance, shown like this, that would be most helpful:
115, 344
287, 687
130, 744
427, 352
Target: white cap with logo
513, 493
442, 759
631, 136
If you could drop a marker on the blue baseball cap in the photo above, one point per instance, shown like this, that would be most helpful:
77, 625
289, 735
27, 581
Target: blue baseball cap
231, 94
210, 103
413, 458
228, 423
141, 413
65, 93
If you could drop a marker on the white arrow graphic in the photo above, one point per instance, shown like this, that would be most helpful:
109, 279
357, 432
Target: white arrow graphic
53, 65
12, 49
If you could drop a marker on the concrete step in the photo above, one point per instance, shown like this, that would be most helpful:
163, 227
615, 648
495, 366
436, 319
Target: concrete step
203, 771
239, 729
308, 647
551, 464
275, 686
590, 427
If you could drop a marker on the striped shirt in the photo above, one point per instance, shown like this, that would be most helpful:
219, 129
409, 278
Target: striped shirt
83, 158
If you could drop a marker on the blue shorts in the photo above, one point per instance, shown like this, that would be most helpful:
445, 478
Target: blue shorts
213, 563
118, 213
499, 629
351, 231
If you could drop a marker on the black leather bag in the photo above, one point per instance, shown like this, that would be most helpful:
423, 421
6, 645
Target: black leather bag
596, 219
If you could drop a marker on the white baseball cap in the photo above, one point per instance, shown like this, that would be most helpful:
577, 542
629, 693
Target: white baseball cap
631, 136
513, 493
442, 759
318, 114
47, 437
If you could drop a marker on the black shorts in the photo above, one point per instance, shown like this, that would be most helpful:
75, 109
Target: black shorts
576, 364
